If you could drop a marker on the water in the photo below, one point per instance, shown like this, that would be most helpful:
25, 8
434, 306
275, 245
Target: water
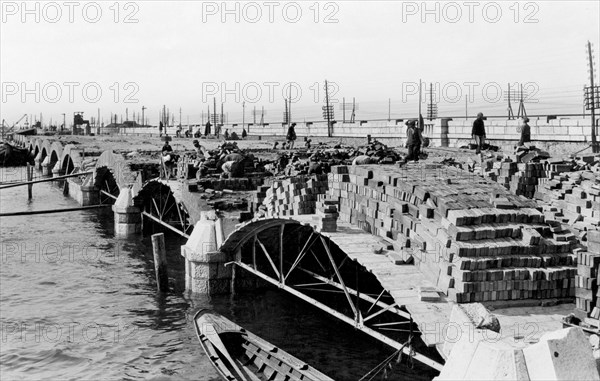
78, 304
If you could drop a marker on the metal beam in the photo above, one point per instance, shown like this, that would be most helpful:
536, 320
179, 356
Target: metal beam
302, 253
380, 312
46, 180
379, 336
337, 272
108, 194
269, 259
362, 296
146, 214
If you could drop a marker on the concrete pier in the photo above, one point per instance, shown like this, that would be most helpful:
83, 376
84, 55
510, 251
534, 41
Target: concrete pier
47, 167
205, 270
128, 218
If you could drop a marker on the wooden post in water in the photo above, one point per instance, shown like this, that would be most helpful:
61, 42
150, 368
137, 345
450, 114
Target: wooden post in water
160, 262
29, 179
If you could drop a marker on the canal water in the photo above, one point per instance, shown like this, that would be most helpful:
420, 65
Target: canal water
78, 304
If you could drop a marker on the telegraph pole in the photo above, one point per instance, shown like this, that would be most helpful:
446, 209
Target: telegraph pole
595, 147
389, 109
143, 120
511, 115
328, 110
244, 116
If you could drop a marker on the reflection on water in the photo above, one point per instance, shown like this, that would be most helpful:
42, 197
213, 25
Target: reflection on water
76, 303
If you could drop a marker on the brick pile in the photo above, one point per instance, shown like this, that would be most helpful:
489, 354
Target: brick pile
519, 178
586, 281
472, 238
573, 198
326, 214
295, 195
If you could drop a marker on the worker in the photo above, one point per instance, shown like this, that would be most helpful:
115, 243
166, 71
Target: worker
525, 132
232, 169
362, 160
244, 133
314, 167
412, 140
207, 129
478, 132
291, 136
168, 160
226, 134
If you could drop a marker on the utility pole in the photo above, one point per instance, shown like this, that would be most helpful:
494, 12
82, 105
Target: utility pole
254, 115
215, 112
244, 116
466, 107
143, 120
511, 115
353, 110
290, 109
521, 113
328, 110
593, 90
419, 98
180, 123
389, 109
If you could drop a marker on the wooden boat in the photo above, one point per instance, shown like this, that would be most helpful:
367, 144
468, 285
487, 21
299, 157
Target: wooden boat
240, 355
13, 156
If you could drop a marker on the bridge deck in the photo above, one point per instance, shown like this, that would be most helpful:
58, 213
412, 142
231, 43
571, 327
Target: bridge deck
521, 325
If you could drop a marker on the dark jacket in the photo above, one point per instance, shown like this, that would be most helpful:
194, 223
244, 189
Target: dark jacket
291, 134
478, 128
525, 134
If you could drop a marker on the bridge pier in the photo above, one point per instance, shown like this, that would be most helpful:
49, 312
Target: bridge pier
128, 217
205, 270
57, 170
38, 161
47, 167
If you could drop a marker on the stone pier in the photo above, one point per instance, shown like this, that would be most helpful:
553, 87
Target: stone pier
57, 170
38, 161
47, 167
128, 217
205, 270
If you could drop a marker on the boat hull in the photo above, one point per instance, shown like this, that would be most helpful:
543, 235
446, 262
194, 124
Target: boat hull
240, 355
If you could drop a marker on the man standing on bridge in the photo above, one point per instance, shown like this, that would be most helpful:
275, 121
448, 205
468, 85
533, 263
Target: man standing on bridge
478, 132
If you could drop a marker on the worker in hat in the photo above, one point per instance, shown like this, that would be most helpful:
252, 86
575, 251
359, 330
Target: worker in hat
525, 132
478, 132
413, 140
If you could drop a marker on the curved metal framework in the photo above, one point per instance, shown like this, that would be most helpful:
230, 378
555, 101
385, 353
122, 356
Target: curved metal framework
268, 248
159, 204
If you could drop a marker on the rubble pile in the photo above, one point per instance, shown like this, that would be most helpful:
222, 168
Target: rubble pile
473, 239
294, 196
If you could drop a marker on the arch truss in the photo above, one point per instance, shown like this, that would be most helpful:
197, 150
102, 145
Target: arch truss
268, 248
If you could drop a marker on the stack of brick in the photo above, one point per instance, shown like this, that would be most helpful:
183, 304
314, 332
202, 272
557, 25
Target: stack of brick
473, 239
258, 197
526, 179
588, 272
295, 195
573, 198
326, 214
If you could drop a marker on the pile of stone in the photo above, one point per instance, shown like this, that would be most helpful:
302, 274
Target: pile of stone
472, 238
326, 214
588, 271
572, 198
379, 152
295, 195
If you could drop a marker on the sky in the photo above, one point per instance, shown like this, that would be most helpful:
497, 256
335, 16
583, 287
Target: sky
108, 57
